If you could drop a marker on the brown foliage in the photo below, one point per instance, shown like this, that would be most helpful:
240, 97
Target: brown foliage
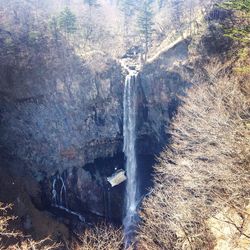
101, 237
23, 242
205, 169
4, 222
29, 244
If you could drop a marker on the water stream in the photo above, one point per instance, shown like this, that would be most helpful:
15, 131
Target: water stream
59, 197
129, 136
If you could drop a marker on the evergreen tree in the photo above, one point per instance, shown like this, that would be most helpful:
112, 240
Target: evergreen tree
91, 3
176, 6
240, 26
160, 4
128, 9
53, 25
145, 23
238, 29
67, 21
89, 26
241, 5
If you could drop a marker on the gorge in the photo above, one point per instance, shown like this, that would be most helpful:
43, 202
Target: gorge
68, 142
91, 91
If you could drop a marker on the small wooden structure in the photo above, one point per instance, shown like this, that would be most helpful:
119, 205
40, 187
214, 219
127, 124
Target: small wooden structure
117, 178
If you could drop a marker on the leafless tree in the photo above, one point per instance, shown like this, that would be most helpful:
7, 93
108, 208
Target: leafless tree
204, 170
23, 242
101, 237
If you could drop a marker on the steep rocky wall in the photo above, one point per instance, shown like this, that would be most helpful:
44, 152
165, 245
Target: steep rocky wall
63, 116
161, 84
60, 115
55, 118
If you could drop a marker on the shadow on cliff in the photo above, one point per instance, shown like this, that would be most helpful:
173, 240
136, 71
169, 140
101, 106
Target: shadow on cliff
57, 112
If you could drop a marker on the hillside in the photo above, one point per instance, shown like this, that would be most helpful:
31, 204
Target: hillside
154, 91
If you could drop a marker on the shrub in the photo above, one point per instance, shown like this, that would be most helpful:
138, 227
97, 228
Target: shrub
101, 237
204, 170
23, 242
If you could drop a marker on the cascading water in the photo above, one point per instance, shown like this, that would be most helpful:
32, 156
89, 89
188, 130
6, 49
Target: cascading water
59, 197
129, 136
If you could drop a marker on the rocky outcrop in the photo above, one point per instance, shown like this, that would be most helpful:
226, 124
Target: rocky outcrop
161, 84
58, 116
63, 117
87, 191
55, 118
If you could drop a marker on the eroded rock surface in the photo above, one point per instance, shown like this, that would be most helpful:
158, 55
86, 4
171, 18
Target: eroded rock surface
64, 117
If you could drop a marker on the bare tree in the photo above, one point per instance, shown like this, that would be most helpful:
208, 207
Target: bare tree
23, 242
101, 237
205, 169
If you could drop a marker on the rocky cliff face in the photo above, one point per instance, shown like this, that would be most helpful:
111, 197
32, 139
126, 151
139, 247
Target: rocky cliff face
161, 84
63, 117
57, 118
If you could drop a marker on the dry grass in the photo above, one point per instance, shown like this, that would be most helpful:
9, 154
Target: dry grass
206, 168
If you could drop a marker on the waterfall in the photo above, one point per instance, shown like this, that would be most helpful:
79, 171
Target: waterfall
129, 136
59, 197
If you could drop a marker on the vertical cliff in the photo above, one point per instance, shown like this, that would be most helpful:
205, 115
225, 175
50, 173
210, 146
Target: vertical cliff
62, 116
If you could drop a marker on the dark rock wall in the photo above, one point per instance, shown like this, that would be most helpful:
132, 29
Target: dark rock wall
88, 191
64, 116
56, 117
160, 85
58, 120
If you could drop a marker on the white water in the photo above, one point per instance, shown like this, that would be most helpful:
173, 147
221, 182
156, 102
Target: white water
59, 199
129, 126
